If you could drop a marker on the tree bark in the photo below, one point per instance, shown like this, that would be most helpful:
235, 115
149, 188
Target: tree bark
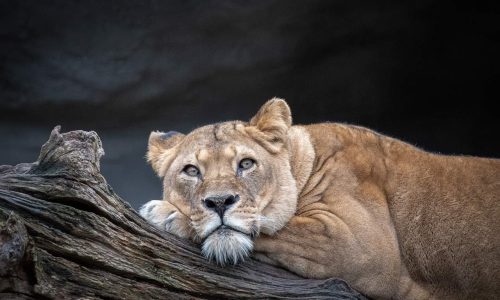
65, 234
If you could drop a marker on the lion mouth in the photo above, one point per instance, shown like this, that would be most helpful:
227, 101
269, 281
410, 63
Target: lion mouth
225, 230
227, 245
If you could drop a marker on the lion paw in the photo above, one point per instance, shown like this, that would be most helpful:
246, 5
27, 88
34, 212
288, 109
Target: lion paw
166, 217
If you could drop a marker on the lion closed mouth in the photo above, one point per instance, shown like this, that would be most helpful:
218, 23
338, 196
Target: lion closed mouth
226, 245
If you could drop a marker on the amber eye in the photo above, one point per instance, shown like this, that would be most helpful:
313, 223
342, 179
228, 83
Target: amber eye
246, 164
191, 170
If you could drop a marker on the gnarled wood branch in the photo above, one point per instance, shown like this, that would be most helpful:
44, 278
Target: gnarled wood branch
65, 234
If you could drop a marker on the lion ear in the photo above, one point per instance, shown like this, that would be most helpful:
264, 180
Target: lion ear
271, 123
161, 149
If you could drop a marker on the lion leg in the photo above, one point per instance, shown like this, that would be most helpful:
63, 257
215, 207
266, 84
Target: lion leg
327, 248
166, 217
282, 248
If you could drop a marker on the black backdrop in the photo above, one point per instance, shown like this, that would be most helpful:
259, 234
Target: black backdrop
426, 72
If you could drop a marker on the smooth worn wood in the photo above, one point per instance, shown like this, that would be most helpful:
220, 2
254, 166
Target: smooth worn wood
65, 234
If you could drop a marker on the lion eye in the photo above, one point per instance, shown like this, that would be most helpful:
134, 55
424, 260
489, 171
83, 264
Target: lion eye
246, 163
191, 170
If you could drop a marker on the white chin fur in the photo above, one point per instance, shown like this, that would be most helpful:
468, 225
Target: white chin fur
227, 246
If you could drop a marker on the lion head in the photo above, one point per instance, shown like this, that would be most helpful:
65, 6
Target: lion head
231, 181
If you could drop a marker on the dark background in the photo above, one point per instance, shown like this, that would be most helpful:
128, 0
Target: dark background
426, 72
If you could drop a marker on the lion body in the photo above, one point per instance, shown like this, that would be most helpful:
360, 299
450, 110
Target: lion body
392, 220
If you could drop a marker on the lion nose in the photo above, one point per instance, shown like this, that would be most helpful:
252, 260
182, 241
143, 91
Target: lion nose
220, 204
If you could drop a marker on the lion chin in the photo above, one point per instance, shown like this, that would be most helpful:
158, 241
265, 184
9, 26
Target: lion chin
226, 246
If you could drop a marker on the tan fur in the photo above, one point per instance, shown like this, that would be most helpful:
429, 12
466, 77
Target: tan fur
333, 200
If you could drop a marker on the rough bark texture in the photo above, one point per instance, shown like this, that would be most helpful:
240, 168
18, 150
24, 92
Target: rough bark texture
65, 234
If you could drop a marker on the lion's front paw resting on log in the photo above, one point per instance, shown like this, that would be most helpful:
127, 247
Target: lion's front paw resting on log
332, 200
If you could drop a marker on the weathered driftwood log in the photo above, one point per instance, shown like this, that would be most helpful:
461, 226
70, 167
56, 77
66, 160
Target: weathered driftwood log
65, 234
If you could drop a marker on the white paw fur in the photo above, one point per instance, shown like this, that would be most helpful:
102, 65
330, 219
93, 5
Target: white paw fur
165, 217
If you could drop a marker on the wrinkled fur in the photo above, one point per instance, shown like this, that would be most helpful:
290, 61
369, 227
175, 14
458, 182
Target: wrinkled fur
332, 200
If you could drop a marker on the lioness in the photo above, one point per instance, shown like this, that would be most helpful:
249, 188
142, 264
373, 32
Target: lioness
333, 200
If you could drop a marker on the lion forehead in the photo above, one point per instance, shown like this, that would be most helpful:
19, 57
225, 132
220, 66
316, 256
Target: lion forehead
219, 142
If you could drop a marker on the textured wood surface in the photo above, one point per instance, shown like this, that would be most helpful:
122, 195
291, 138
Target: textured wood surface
64, 234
